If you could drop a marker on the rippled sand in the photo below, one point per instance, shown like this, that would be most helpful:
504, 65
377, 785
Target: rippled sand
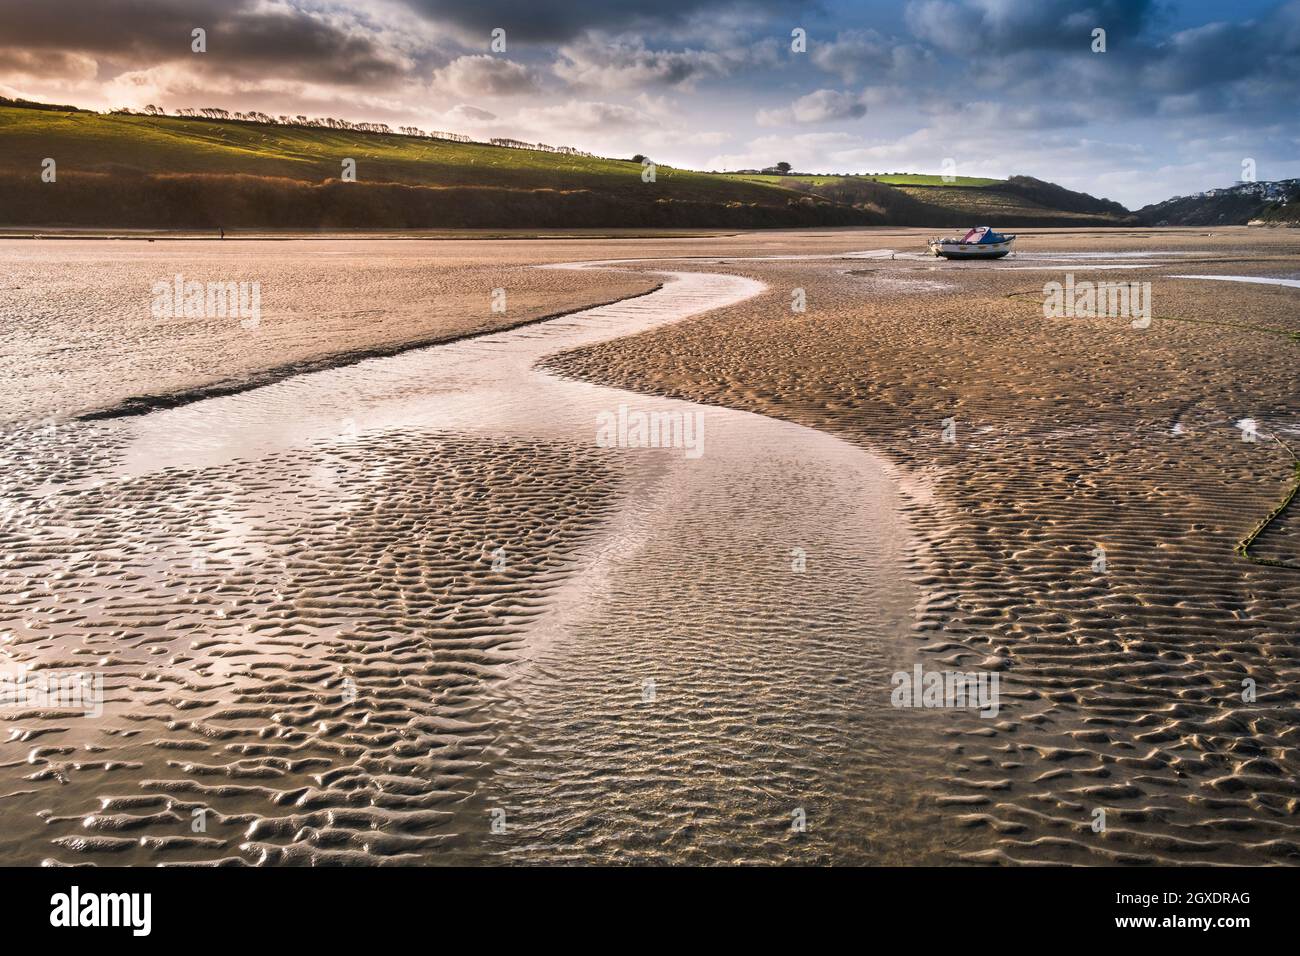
81, 334
407, 611
1125, 685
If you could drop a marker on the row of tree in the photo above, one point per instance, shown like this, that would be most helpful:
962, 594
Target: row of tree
320, 122
329, 122
19, 103
542, 147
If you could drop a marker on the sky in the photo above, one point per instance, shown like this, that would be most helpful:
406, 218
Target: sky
1183, 95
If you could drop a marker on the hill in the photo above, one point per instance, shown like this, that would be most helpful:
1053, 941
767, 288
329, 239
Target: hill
168, 172
1016, 202
1237, 205
892, 179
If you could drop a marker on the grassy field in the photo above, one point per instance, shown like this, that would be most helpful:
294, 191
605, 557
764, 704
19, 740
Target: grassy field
123, 171
92, 142
984, 204
891, 179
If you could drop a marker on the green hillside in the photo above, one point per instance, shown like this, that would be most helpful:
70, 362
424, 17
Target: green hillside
1018, 201
93, 142
164, 172
890, 179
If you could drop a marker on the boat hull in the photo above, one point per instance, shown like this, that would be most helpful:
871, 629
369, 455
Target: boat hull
971, 250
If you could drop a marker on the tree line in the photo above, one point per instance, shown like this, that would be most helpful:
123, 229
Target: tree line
329, 122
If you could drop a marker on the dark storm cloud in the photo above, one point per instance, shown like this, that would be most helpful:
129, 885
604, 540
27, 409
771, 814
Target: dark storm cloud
990, 27
45, 63
241, 37
1267, 50
1042, 51
555, 20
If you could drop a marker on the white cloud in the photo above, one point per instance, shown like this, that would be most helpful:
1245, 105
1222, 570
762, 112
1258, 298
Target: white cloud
463, 113
821, 106
593, 63
583, 116
866, 54
483, 75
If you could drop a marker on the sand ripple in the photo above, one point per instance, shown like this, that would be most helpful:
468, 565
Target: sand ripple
406, 611
1158, 687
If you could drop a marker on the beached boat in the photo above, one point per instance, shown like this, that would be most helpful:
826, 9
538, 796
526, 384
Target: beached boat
980, 243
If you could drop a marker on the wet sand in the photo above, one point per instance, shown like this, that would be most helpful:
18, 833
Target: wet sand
82, 336
309, 645
345, 617
1124, 686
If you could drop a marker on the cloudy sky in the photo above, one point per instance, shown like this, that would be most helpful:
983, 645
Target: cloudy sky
1182, 95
